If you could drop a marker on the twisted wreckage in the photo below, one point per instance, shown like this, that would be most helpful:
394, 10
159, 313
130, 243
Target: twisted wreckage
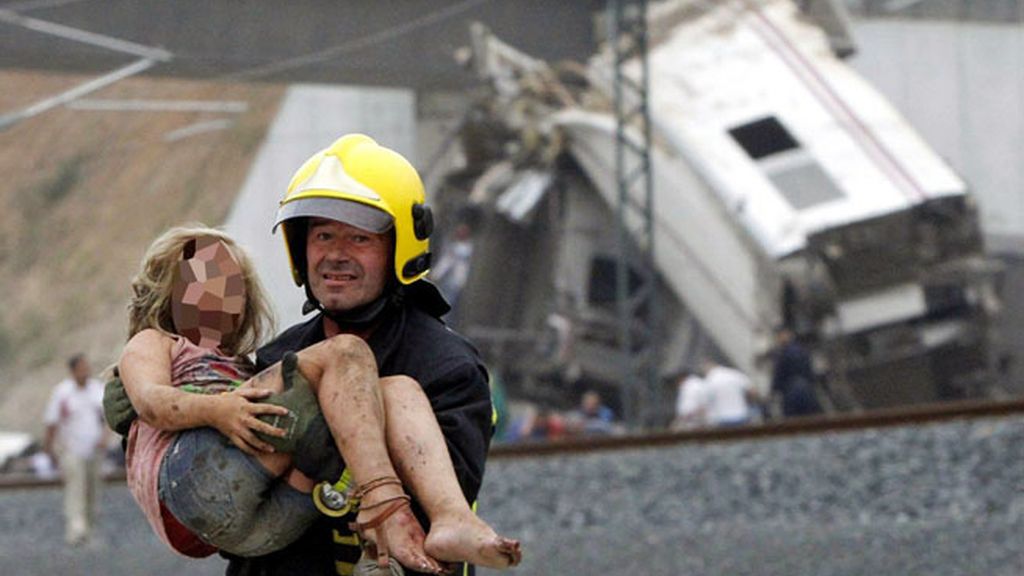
786, 190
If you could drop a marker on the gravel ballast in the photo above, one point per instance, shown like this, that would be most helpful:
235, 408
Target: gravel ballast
938, 499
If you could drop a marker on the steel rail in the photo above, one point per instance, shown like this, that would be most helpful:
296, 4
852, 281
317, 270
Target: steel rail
818, 425
881, 418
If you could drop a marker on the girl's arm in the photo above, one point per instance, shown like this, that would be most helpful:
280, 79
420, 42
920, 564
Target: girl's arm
145, 369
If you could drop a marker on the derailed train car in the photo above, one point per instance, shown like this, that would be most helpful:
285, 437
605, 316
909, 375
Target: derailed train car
786, 191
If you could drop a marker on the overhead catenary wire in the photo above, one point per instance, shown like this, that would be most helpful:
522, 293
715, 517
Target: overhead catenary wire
84, 36
148, 57
8, 120
11, 15
358, 44
140, 105
29, 5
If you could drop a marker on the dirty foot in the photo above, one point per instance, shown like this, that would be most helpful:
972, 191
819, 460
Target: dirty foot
401, 535
467, 538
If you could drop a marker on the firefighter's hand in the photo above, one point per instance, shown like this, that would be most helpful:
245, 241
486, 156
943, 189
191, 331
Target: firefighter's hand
234, 414
117, 407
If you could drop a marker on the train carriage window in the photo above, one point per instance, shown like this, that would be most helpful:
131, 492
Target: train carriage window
603, 283
764, 137
793, 171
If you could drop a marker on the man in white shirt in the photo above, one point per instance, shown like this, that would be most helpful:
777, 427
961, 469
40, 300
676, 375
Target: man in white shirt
728, 391
74, 422
691, 402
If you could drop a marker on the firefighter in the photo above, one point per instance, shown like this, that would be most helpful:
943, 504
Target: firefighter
339, 202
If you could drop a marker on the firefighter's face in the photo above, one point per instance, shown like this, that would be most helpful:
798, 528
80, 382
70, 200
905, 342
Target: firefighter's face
347, 267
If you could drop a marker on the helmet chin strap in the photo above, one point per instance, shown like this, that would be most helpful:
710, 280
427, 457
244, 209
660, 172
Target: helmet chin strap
358, 318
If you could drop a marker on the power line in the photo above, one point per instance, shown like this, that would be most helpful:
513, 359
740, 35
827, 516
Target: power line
356, 45
39, 5
84, 36
8, 120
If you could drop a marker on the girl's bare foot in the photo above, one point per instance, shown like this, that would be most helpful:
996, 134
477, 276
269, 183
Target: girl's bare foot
467, 538
403, 536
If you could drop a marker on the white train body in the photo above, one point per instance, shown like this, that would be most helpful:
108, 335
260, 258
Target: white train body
786, 189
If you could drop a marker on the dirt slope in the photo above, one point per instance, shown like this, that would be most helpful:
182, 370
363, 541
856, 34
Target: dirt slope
83, 193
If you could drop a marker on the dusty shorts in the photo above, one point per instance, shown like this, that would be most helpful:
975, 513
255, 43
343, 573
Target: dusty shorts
227, 498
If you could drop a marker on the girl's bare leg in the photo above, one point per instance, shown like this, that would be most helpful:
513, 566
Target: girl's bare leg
419, 452
343, 373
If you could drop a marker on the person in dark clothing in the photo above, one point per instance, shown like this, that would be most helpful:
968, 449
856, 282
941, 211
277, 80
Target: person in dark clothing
339, 202
793, 376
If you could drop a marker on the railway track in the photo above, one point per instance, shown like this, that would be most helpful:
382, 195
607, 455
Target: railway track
925, 490
882, 418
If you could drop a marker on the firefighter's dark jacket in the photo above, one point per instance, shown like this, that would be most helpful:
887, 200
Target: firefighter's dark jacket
408, 340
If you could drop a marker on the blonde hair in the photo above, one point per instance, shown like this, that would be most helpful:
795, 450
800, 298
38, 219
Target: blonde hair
150, 303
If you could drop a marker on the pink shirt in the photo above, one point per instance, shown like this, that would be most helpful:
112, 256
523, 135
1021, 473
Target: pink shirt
197, 370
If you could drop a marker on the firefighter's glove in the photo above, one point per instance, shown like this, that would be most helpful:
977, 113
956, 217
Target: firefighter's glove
307, 437
117, 407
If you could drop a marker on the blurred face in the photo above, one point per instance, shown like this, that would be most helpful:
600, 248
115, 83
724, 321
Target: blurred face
208, 296
81, 370
346, 266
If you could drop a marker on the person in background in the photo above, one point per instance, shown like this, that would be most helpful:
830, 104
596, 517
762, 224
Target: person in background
691, 402
553, 425
452, 269
592, 417
75, 436
793, 376
729, 392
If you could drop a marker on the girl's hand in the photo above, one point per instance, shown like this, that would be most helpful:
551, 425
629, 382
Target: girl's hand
234, 414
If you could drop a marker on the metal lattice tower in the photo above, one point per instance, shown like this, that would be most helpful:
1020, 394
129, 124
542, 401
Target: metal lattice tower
635, 278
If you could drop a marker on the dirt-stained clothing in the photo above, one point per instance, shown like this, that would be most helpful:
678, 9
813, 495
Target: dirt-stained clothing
409, 341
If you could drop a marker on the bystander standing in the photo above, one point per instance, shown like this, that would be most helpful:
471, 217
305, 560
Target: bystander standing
691, 402
75, 436
728, 394
793, 376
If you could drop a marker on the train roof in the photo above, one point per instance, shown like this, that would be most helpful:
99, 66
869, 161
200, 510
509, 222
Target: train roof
795, 141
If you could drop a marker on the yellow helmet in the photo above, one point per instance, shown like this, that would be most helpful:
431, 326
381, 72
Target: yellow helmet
361, 183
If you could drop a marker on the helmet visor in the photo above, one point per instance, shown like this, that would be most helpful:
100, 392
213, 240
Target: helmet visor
346, 211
